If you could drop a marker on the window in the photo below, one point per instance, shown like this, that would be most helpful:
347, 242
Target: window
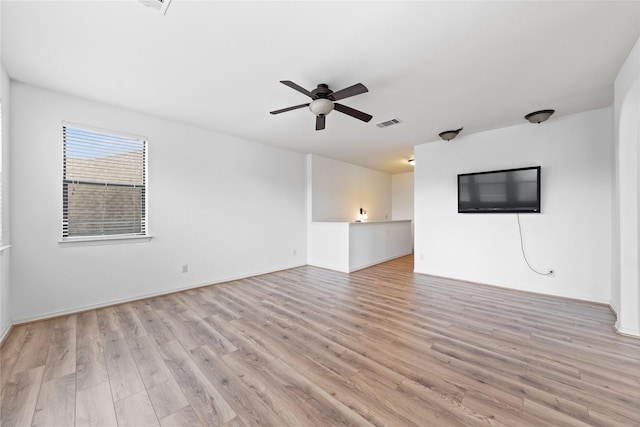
104, 177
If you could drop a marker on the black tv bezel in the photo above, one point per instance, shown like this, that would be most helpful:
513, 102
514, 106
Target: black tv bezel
536, 210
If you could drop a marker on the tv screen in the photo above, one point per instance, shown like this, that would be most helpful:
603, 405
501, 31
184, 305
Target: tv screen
504, 191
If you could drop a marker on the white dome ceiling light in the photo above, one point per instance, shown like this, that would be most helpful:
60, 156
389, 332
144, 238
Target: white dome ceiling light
448, 135
539, 116
321, 106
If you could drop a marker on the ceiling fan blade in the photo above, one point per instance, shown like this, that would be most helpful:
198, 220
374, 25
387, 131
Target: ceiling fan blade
356, 89
320, 119
300, 89
289, 109
352, 112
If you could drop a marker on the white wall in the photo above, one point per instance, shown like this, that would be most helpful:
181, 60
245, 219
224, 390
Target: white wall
226, 207
5, 255
329, 245
339, 190
376, 242
573, 232
347, 247
402, 196
625, 253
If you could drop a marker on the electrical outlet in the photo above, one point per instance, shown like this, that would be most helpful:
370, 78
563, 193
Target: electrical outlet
551, 272
185, 268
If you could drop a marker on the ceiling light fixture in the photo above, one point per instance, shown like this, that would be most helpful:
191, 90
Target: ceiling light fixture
539, 116
412, 161
321, 106
448, 135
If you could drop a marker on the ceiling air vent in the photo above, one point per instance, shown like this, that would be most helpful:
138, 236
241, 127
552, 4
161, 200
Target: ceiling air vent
388, 123
159, 5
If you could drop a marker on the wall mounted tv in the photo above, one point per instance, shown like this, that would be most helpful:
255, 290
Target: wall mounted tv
503, 191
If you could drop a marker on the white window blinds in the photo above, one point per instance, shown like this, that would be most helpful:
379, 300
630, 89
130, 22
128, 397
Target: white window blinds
103, 183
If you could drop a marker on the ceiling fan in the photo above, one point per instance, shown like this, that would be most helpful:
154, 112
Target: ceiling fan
323, 101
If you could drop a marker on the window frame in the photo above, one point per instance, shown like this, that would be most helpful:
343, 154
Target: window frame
99, 239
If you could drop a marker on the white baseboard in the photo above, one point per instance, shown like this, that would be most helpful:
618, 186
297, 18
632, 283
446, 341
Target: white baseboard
328, 267
572, 297
627, 332
380, 261
5, 332
81, 309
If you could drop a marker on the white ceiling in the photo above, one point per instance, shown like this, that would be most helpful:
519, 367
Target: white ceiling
434, 65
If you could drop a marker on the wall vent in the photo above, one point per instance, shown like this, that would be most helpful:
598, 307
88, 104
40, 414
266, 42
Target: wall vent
389, 123
159, 5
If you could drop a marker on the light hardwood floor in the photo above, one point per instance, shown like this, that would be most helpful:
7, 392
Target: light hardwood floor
312, 347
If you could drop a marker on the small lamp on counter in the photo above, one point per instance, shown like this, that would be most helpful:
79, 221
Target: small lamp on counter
363, 215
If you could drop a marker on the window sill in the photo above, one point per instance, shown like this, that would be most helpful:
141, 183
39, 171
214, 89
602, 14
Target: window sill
97, 241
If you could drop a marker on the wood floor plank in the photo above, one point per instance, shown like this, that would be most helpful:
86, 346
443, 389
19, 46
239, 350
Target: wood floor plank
61, 357
36, 347
201, 306
446, 405
56, 402
368, 405
151, 366
503, 407
151, 322
218, 308
198, 326
129, 321
186, 417
312, 347
94, 406
205, 400
20, 396
91, 367
270, 338
411, 409
243, 343
167, 398
250, 410
275, 396
549, 416
136, 411
124, 377
236, 422
180, 330
108, 321
320, 407
10, 350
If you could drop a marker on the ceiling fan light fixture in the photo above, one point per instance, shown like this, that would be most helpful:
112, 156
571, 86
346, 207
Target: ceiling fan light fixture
539, 116
448, 135
321, 106
323, 101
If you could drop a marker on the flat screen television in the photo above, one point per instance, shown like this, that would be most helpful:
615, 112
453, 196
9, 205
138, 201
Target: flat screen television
503, 191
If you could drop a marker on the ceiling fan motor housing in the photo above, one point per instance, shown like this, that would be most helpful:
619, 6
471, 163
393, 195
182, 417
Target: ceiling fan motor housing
322, 91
